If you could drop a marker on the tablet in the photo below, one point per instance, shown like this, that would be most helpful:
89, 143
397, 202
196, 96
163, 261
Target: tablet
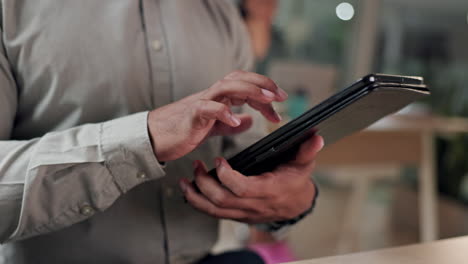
348, 111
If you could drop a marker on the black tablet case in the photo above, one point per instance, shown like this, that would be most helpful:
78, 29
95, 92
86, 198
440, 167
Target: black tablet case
348, 111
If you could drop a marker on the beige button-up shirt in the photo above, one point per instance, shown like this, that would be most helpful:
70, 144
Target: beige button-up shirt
79, 182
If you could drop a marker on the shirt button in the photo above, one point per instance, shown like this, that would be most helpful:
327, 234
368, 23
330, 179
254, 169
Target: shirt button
157, 45
141, 175
86, 210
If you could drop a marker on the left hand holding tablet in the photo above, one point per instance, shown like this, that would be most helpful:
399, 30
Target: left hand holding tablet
281, 194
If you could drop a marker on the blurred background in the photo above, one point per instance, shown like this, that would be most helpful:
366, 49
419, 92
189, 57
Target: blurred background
404, 180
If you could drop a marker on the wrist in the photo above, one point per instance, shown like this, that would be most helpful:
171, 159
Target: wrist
156, 138
279, 226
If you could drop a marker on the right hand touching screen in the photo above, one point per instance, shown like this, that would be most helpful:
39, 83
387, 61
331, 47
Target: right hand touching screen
178, 128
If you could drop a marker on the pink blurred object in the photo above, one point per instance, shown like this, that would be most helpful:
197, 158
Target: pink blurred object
272, 253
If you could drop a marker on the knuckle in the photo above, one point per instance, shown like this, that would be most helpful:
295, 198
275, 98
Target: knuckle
222, 108
219, 199
222, 82
235, 74
217, 87
223, 111
205, 93
225, 176
199, 107
231, 181
269, 82
265, 81
241, 191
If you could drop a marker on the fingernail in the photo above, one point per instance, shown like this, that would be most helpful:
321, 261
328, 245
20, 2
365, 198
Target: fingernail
217, 162
268, 93
183, 186
235, 120
322, 144
283, 95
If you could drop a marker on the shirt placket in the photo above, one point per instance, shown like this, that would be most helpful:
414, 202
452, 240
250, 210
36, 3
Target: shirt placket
161, 90
158, 53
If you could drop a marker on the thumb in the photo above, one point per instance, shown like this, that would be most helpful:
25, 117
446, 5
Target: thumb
309, 150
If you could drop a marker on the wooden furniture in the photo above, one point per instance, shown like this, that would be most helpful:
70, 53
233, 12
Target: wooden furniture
398, 140
451, 251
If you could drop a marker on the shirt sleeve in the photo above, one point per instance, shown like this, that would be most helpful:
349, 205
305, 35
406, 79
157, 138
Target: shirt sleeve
62, 178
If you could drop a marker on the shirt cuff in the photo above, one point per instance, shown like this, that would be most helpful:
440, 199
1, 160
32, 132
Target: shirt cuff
128, 151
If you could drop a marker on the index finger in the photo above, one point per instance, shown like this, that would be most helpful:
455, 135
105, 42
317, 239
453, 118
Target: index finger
259, 80
241, 185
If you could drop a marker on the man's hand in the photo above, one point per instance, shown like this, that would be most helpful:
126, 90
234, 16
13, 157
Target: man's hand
178, 128
282, 194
